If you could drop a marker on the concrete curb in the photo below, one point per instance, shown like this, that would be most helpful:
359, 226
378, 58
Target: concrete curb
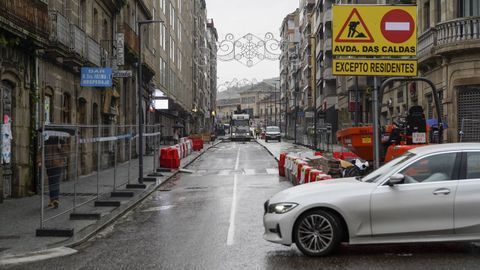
268, 150
129, 206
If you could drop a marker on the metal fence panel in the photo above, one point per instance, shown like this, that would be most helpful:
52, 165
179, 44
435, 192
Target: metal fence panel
82, 163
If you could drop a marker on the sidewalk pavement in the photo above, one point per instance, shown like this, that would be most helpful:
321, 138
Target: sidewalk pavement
275, 148
20, 218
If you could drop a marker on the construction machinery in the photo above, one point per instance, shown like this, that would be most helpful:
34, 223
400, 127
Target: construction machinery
398, 137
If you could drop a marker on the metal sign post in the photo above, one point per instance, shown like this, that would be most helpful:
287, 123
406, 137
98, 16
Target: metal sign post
376, 125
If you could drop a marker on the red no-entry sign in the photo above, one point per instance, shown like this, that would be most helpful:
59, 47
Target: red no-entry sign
397, 26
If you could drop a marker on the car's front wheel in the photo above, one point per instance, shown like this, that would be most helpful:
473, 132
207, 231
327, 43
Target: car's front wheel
317, 233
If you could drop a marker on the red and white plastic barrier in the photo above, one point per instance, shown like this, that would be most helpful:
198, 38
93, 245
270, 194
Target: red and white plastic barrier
298, 171
183, 149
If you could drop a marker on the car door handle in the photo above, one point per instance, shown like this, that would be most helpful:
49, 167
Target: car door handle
442, 191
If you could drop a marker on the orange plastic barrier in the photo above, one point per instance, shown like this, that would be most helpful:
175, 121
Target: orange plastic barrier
197, 143
321, 177
307, 175
281, 164
169, 158
313, 175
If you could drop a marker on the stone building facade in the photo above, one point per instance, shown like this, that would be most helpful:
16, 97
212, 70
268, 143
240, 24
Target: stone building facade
448, 53
44, 45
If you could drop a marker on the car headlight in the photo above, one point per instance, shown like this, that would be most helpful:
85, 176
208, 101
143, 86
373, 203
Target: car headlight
233, 134
281, 208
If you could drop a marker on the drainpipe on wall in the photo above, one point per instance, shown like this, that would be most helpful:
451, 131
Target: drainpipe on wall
34, 127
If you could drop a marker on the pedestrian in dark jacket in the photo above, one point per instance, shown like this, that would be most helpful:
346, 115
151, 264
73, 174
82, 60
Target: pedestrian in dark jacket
55, 162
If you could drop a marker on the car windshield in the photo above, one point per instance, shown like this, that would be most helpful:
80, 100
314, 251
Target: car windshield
273, 129
240, 129
376, 175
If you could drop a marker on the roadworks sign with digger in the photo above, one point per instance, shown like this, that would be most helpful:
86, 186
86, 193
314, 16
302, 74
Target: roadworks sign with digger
374, 30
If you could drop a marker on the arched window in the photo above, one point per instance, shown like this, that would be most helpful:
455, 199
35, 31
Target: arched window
95, 24
66, 108
82, 111
105, 30
468, 8
7, 90
48, 106
83, 14
95, 114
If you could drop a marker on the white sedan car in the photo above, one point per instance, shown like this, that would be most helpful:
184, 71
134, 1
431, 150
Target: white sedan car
430, 194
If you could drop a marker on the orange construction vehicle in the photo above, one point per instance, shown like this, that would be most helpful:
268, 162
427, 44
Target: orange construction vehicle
398, 137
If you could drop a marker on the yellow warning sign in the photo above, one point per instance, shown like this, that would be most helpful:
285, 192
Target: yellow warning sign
391, 32
374, 67
354, 29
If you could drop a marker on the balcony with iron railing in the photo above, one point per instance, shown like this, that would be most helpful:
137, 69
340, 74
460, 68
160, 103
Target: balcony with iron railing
148, 58
448, 37
327, 15
327, 44
319, 47
78, 41
327, 73
29, 15
131, 39
318, 74
318, 20
94, 52
60, 29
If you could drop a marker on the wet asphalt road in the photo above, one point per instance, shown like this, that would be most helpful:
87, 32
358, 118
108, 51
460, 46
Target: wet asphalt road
186, 225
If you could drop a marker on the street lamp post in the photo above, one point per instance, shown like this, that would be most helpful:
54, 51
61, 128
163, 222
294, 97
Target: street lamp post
275, 101
139, 93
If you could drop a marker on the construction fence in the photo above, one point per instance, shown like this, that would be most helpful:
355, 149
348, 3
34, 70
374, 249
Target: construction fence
82, 163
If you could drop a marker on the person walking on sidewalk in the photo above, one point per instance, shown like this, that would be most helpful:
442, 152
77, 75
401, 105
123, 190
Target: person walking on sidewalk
55, 160
175, 135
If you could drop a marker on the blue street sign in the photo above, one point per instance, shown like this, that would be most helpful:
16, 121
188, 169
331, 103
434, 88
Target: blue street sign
301, 114
96, 77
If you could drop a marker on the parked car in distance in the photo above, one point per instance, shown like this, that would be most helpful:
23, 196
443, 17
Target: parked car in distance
429, 194
272, 133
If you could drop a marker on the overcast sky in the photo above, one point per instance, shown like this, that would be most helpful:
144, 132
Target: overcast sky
241, 17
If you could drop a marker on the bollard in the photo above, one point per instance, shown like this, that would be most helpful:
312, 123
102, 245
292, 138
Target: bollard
42, 177
76, 169
129, 154
115, 142
99, 150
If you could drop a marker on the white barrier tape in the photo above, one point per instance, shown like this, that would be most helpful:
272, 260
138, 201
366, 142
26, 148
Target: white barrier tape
151, 134
51, 133
105, 139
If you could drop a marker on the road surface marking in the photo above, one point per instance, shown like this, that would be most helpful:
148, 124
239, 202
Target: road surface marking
249, 171
157, 208
272, 171
36, 256
233, 209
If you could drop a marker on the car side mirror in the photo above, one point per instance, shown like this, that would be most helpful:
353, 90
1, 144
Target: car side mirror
396, 179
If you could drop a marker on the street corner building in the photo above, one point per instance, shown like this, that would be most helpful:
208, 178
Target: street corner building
447, 43
45, 45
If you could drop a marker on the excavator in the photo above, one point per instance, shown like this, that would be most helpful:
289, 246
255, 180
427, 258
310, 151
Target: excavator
397, 137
